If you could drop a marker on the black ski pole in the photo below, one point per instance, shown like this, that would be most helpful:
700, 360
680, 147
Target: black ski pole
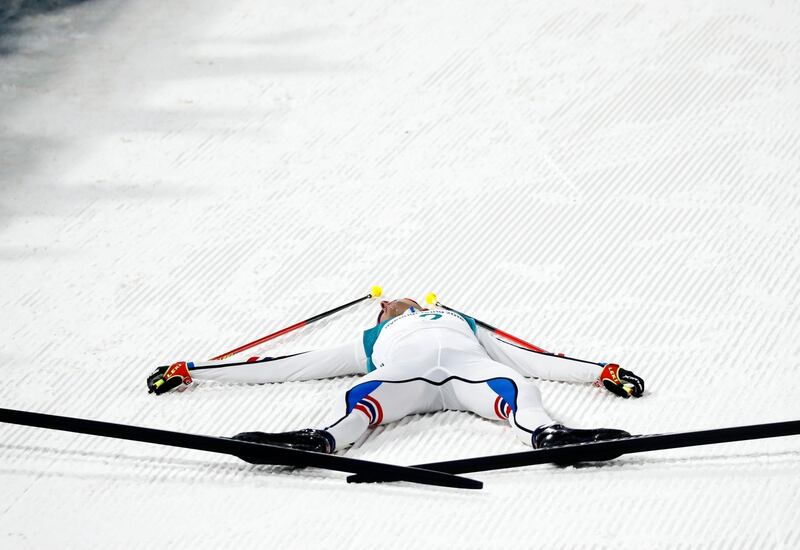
375, 292
431, 299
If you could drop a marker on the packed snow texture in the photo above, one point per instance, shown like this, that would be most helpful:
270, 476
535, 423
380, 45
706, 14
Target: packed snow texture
614, 180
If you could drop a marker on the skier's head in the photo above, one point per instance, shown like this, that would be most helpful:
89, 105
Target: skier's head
395, 308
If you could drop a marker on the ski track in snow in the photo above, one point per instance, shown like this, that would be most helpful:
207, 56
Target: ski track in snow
615, 180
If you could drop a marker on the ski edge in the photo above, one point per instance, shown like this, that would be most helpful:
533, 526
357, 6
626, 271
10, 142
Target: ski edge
253, 452
606, 450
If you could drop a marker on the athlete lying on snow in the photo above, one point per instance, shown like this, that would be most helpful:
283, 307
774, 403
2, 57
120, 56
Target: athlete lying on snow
418, 361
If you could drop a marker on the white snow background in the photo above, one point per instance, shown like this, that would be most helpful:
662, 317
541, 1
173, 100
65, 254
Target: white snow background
615, 180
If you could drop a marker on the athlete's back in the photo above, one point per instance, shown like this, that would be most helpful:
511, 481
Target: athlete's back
421, 336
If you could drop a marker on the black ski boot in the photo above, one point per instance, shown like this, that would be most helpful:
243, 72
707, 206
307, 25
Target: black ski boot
556, 435
318, 441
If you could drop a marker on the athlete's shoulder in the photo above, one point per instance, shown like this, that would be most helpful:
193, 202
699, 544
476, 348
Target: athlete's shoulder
456, 314
368, 339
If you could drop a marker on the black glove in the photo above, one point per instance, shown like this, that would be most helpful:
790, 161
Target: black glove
621, 382
164, 379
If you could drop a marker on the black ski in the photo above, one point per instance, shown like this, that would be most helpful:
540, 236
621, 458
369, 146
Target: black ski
605, 450
254, 453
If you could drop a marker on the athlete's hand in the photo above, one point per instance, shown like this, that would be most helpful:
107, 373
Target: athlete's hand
164, 379
621, 382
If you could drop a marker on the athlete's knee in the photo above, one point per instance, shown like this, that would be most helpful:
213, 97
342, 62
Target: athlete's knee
359, 399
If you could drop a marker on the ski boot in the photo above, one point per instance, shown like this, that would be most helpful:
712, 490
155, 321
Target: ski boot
318, 441
556, 435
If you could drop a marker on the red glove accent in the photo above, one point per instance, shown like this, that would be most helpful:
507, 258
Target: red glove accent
178, 369
164, 379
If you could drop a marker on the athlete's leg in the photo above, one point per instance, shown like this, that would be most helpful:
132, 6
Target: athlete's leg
376, 400
495, 391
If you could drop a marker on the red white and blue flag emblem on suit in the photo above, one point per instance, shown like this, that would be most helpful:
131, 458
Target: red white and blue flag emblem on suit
359, 399
371, 408
501, 408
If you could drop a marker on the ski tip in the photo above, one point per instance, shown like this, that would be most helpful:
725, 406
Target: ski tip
475, 483
457, 482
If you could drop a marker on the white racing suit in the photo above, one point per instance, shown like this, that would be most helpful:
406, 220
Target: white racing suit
419, 362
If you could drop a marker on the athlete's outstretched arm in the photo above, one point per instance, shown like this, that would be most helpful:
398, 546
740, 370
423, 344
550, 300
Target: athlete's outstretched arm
310, 365
547, 366
550, 366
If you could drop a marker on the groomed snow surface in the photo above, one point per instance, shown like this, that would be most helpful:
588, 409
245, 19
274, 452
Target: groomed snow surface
614, 180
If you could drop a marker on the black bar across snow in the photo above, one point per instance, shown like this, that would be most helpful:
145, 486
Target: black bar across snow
605, 450
255, 453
